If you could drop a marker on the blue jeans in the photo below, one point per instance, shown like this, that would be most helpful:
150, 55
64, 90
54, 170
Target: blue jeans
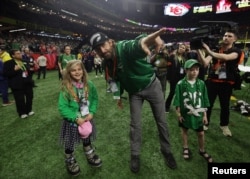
153, 94
4, 90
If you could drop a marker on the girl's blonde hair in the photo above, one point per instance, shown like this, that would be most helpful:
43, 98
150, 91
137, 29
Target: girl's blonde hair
67, 81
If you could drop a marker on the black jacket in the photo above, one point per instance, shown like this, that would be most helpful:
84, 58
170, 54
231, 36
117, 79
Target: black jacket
174, 69
15, 78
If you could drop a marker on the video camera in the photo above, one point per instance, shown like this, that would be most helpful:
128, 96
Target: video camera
211, 33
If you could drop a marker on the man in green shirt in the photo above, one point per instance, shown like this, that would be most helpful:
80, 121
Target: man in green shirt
128, 67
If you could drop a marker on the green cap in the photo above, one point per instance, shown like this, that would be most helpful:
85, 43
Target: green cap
191, 62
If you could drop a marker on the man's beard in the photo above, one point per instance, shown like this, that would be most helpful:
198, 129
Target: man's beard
110, 54
107, 55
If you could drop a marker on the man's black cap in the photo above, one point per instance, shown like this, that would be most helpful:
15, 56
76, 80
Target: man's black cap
98, 39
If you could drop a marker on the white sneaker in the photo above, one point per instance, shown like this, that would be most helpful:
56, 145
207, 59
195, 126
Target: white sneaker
226, 131
8, 103
205, 128
23, 116
31, 113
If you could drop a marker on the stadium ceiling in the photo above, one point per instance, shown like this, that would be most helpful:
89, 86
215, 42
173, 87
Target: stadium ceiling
142, 11
152, 12
117, 16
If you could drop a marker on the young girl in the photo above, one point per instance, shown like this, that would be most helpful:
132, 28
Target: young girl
191, 101
77, 104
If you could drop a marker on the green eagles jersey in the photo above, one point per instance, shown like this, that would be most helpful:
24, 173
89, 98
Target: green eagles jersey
192, 100
64, 59
132, 70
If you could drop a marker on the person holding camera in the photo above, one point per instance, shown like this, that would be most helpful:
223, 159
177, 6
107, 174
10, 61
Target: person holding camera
192, 54
127, 64
159, 62
223, 66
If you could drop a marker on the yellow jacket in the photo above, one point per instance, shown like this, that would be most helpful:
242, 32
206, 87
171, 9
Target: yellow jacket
5, 56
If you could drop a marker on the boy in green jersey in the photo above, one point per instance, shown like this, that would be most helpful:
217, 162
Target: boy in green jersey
191, 101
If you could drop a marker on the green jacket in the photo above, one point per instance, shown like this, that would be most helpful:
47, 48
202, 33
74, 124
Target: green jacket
69, 108
134, 72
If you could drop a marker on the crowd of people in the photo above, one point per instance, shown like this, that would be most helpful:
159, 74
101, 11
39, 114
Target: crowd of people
141, 67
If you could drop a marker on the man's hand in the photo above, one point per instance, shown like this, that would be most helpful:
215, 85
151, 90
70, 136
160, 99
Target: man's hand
16, 68
153, 39
206, 47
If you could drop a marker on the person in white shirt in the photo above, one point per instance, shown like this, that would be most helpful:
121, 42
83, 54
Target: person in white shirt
98, 65
42, 62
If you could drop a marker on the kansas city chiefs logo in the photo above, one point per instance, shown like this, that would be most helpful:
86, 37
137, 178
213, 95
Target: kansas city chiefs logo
176, 9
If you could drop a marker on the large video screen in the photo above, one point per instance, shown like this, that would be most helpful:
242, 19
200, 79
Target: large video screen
215, 7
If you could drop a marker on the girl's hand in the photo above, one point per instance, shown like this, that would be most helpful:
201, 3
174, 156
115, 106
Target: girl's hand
88, 117
80, 121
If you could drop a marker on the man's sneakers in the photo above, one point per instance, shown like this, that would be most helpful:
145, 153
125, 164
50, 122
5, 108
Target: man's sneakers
135, 163
7, 104
23, 116
31, 113
226, 131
